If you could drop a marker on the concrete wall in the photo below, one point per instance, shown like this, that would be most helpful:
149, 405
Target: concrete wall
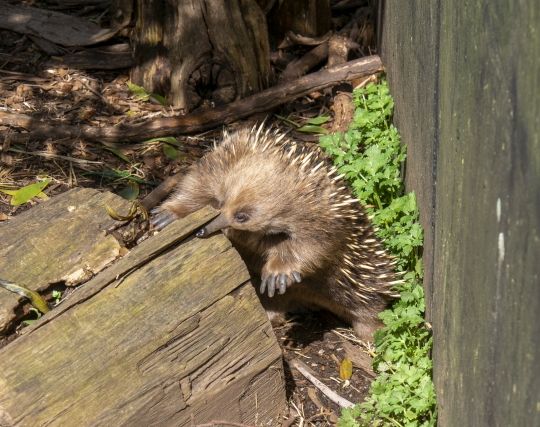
466, 80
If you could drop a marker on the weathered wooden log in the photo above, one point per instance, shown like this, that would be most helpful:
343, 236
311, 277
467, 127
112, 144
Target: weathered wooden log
60, 240
98, 58
171, 334
59, 28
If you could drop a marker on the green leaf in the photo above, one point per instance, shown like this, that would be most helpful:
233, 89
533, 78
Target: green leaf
319, 120
27, 193
312, 129
159, 98
35, 298
287, 120
130, 191
138, 91
170, 151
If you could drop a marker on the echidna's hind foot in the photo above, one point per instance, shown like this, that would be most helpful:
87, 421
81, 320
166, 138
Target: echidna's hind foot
365, 328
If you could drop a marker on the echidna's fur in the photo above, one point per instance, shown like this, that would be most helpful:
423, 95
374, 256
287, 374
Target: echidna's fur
292, 218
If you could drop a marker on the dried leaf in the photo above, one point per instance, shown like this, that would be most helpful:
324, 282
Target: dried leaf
345, 369
118, 217
36, 299
312, 394
118, 154
167, 139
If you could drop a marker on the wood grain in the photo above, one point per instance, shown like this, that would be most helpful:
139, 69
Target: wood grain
468, 107
59, 28
180, 339
60, 240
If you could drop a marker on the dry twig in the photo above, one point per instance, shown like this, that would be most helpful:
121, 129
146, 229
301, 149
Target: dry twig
330, 394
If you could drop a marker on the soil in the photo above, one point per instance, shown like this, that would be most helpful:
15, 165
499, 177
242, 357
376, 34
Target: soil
29, 86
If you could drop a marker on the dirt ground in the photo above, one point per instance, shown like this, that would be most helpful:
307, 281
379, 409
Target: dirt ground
30, 85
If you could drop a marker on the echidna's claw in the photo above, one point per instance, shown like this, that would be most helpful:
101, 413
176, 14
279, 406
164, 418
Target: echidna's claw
271, 283
282, 280
161, 218
279, 282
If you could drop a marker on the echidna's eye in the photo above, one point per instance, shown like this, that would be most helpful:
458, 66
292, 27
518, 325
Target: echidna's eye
241, 217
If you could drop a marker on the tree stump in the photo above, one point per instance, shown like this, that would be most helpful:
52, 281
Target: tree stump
198, 52
311, 18
171, 334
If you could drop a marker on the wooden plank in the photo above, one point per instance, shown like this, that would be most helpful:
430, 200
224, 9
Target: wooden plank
168, 344
38, 246
484, 136
487, 236
409, 49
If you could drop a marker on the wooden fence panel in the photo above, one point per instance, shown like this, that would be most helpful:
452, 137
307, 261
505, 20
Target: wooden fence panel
483, 137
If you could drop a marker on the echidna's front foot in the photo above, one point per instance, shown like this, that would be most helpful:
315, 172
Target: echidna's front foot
279, 281
160, 218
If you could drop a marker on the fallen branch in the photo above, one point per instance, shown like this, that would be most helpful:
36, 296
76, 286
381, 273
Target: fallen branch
99, 58
330, 394
198, 122
302, 65
15, 120
59, 28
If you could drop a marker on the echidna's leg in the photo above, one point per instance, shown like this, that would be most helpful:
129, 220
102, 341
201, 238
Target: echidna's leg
190, 195
288, 262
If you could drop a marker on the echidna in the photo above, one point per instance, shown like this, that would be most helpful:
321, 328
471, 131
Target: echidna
292, 218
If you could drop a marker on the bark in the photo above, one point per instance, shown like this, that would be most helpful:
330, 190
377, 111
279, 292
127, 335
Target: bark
201, 52
311, 18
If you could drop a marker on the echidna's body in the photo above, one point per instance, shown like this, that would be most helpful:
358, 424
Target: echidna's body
293, 220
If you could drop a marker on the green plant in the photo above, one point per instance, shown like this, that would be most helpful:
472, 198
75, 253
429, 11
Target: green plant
370, 155
56, 296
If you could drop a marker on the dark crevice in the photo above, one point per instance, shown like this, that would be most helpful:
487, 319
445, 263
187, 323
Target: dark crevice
24, 311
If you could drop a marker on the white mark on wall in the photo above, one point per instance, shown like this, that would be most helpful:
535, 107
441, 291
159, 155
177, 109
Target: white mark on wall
500, 248
500, 243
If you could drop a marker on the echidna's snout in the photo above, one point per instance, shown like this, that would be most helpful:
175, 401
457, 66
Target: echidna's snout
218, 223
